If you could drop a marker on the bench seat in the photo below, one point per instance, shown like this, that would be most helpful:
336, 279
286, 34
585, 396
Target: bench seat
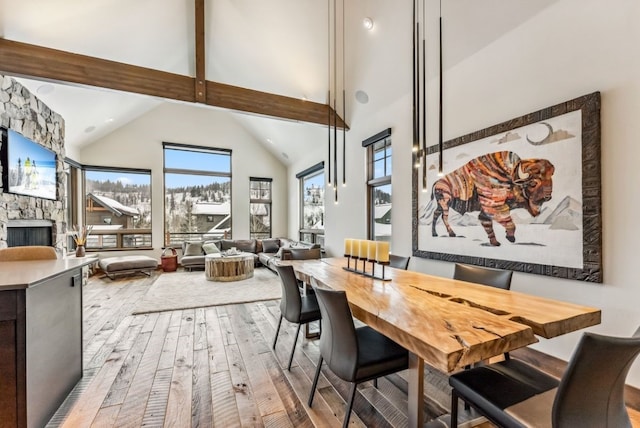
127, 264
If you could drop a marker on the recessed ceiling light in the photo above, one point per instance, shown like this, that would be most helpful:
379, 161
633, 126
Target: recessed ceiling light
45, 89
89, 129
269, 140
108, 120
284, 155
362, 97
368, 23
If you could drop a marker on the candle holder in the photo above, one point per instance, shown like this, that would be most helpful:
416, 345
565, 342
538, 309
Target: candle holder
349, 268
373, 275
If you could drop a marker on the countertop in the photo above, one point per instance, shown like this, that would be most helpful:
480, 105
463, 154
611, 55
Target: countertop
28, 274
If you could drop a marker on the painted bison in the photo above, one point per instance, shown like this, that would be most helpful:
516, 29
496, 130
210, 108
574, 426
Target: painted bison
494, 184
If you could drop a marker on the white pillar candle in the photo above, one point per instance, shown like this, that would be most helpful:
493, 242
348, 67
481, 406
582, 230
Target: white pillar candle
347, 247
382, 252
372, 251
364, 248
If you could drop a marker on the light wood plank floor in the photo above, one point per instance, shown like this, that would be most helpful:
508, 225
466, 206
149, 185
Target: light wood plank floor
214, 367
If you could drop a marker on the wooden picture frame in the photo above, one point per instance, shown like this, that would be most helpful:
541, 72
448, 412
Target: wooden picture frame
535, 177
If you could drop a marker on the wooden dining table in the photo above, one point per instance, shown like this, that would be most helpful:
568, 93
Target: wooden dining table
443, 322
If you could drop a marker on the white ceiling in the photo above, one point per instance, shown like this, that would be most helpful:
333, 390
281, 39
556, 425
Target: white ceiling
277, 46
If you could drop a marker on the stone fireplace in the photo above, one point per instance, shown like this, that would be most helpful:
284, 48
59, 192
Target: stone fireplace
27, 220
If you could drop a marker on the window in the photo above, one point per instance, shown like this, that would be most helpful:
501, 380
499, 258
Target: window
379, 185
118, 206
73, 171
312, 184
260, 207
197, 193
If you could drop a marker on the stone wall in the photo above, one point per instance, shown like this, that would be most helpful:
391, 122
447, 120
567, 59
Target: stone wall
24, 113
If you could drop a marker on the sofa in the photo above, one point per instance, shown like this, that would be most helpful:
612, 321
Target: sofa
266, 251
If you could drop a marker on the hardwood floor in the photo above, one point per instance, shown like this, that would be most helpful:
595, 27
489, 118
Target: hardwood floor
214, 367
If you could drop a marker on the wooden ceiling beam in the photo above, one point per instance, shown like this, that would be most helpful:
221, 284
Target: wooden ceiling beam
200, 81
37, 62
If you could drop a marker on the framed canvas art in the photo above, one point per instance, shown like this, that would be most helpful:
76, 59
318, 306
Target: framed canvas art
522, 195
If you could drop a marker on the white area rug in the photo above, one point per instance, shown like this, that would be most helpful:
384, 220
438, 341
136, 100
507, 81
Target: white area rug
186, 290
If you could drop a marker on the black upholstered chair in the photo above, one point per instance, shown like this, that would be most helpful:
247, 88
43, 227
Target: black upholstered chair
590, 394
481, 275
294, 307
399, 262
497, 278
354, 355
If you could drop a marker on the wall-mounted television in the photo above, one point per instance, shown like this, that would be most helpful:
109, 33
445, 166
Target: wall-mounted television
27, 167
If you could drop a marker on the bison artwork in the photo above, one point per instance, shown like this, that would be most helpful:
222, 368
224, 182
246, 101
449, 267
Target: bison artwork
494, 184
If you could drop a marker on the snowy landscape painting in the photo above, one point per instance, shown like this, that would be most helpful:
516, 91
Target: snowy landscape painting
520, 195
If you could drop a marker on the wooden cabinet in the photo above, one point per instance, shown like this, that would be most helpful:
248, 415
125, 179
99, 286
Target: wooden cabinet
40, 347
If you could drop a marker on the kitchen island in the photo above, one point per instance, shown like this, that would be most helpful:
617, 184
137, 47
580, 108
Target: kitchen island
40, 337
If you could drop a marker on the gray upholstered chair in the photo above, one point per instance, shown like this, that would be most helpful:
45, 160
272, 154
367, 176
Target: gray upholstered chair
481, 275
399, 262
354, 354
305, 253
294, 307
590, 394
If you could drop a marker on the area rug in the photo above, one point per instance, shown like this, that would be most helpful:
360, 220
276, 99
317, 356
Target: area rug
186, 290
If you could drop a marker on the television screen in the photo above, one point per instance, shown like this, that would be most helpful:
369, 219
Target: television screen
31, 167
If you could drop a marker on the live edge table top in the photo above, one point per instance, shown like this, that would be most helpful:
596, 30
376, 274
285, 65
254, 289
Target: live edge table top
447, 323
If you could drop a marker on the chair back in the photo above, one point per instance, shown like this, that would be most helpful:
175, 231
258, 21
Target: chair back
291, 302
591, 392
497, 278
29, 252
338, 341
304, 253
399, 262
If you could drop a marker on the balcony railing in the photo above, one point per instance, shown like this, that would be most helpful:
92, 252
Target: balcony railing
120, 239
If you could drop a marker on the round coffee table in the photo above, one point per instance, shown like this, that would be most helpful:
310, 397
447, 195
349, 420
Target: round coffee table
218, 267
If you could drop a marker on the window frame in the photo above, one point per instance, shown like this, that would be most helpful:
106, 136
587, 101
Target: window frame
374, 182
261, 201
316, 236
122, 233
168, 242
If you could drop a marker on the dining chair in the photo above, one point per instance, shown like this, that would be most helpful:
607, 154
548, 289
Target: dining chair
590, 394
294, 307
354, 354
497, 278
399, 262
29, 252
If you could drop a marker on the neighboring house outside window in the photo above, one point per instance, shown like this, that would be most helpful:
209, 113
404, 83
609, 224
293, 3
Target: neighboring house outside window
379, 185
260, 207
197, 189
118, 207
312, 182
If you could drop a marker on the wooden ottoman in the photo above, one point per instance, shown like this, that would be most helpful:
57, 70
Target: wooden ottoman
112, 266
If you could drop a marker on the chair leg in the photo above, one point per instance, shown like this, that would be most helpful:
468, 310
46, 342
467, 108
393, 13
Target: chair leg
375, 383
275, 339
347, 414
295, 340
454, 409
315, 382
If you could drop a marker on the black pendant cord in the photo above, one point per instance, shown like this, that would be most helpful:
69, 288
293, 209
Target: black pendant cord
344, 101
414, 67
329, 90
335, 104
424, 103
440, 103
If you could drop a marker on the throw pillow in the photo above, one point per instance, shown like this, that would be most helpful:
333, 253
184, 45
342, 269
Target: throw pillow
210, 248
279, 253
193, 249
270, 245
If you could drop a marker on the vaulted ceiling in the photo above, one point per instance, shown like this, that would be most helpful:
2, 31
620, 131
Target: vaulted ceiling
276, 46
